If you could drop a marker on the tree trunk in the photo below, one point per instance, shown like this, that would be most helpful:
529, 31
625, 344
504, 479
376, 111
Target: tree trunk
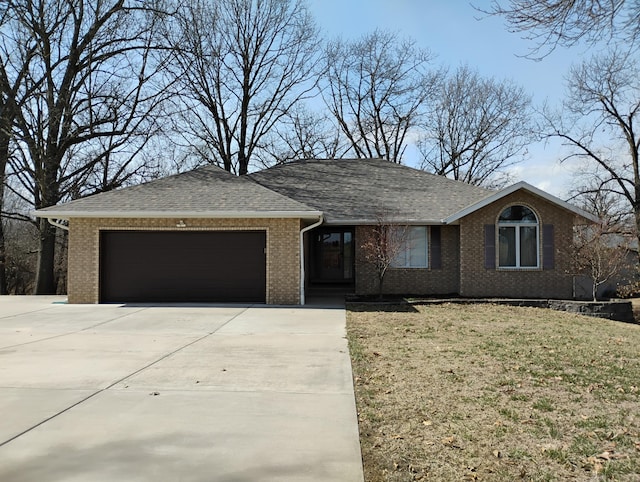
4, 290
380, 286
636, 214
5, 124
50, 196
45, 284
243, 163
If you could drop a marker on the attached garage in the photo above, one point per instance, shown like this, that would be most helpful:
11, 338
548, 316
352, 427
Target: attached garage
183, 266
199, 236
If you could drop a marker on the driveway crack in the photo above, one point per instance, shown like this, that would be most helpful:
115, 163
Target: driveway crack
71, 332
97, 392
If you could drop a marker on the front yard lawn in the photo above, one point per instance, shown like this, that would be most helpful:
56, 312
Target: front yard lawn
486, 392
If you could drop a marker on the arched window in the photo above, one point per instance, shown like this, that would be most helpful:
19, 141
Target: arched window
518, 236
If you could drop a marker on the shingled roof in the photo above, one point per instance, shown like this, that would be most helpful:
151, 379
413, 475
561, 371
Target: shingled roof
359, 191
344, 191
205, 192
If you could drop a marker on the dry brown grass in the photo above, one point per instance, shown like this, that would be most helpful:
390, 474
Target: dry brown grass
635, 303
484, 392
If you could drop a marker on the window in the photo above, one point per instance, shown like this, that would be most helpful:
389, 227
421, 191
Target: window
518, 238
413, 253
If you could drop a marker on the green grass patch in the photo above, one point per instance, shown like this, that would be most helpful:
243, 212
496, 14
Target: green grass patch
544, 405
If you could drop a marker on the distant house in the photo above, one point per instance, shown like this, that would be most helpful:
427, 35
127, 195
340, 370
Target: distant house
271, 236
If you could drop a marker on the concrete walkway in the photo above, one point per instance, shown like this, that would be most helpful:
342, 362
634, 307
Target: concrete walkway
174, 393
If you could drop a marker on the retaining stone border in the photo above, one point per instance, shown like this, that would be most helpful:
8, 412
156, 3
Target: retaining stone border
616, 310
611, 310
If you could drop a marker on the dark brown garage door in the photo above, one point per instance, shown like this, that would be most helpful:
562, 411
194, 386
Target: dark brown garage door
167, 266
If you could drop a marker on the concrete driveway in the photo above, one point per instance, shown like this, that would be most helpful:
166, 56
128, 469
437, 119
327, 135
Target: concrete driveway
174, 393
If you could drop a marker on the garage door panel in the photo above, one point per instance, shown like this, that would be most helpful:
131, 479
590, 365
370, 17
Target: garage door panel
183, 266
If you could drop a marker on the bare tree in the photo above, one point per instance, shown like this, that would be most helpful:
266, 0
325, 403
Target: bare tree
382, 244
8, 108
477, 129
83, 75
6, 122
600, 253
241, 65
593, 192
598, 124
549, 23
21, 246
377, 88
303, 134
119, 160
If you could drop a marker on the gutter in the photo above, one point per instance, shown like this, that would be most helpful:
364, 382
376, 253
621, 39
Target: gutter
58, 224
59, 214
302, 272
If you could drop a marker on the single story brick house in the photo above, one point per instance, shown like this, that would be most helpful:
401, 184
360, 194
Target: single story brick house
271, 236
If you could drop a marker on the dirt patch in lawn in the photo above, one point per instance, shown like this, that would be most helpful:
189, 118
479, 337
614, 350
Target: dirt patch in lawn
485, 392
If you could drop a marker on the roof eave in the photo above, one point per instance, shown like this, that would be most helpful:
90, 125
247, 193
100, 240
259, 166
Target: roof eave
511, 189
369, 222
53, 214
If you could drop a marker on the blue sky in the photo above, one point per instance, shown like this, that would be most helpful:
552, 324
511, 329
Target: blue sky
455, 32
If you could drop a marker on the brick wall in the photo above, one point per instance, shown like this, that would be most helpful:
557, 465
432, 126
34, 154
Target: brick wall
478, 281
283, 254
413, 281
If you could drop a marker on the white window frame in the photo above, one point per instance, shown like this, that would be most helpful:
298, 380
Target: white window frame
517, 225
403, 259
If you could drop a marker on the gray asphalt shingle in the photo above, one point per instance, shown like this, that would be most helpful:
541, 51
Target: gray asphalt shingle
345, 190
207, 190
362, 189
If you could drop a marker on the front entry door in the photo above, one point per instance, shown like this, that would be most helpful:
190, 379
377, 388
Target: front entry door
334, 256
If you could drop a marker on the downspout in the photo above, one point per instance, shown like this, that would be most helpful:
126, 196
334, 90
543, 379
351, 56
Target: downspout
58, 224
302, 273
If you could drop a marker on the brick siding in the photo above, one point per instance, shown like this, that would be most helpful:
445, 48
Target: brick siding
413, 281
463, 269
283, 254
463, 266
478, 281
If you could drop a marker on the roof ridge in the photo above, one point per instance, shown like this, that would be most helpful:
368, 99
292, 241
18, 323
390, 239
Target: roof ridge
387, 162
317, 160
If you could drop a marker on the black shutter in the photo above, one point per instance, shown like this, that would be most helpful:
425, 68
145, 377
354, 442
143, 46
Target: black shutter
548, 251
436, 247
490, 246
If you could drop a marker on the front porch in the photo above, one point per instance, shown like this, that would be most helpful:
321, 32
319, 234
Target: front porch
330, 261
